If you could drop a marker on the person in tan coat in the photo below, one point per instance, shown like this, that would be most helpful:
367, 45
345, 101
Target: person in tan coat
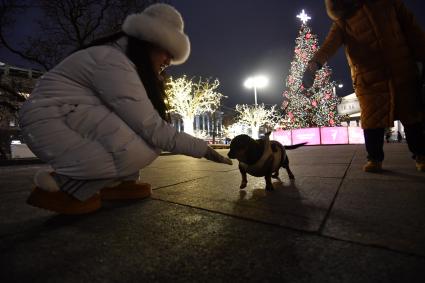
382, 43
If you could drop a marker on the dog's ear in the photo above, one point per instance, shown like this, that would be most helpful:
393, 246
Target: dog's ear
240, 141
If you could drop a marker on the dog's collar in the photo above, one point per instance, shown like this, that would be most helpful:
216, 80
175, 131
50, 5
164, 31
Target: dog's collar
259, 165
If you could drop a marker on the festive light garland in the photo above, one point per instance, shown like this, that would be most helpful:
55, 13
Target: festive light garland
188, 98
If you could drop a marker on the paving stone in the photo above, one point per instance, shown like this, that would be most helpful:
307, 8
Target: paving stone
332, 224
395, 168
156, 241
301, 204
380, 212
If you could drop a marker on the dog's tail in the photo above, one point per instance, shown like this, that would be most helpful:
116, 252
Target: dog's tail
289, 147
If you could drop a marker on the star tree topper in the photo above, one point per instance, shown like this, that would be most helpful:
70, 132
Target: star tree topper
303, 17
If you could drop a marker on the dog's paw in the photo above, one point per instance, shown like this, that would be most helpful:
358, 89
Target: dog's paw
243, 185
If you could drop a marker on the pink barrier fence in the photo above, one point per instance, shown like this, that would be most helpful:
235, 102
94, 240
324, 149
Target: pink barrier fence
315, 136
309, 135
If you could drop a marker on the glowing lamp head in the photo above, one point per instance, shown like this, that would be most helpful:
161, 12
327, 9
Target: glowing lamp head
257, 82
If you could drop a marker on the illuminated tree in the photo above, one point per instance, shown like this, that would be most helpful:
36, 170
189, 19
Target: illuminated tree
312, 107
257, 116
188, 99
234, 129
201, 134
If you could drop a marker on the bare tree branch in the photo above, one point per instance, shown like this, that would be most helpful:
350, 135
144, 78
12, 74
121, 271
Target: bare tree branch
8, 13
63, 25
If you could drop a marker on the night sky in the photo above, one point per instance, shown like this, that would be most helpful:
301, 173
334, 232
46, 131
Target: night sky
234, 39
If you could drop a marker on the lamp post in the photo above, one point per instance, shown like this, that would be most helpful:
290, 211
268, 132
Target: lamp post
339, 85
256, 82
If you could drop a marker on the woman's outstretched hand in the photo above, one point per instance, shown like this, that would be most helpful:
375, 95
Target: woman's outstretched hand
213, 155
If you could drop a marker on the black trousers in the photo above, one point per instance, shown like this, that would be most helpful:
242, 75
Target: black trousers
374, 141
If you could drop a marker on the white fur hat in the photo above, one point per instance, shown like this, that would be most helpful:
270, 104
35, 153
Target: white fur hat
160, 24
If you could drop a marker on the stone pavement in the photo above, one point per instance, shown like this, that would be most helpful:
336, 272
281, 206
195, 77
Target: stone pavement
334, 223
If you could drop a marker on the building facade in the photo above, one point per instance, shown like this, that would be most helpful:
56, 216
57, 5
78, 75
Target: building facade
350, 106
15, 86
208, 126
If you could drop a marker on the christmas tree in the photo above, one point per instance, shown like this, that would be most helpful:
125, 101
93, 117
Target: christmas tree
314, 107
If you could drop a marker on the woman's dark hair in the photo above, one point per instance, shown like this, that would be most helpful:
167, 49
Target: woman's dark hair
138, 51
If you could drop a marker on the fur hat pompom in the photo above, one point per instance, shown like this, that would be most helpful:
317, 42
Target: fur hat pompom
160, 24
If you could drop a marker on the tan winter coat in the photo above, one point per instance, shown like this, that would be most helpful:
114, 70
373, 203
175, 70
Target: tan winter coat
382, 43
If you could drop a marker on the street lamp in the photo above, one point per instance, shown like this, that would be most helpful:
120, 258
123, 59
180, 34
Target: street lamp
256, 82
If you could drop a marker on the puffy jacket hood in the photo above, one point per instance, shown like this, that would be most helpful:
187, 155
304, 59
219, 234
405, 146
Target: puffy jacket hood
340, 9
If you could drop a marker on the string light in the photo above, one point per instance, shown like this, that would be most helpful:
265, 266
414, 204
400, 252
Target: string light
188, 99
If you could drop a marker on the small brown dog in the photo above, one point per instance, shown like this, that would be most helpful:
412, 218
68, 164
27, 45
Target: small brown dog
260, 158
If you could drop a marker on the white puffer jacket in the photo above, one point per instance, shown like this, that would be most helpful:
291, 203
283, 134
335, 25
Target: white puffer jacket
90, 117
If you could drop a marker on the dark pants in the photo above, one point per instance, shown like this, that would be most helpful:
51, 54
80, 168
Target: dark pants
415, 137
374, 140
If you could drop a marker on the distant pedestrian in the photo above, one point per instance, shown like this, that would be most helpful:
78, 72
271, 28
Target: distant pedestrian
100, 116
388, 136
382, 44
399, 137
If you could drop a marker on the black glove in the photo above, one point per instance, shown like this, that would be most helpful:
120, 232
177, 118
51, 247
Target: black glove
213, 155
310, 74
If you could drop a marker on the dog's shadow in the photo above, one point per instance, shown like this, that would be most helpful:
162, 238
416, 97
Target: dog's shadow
282, 206
281, 190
